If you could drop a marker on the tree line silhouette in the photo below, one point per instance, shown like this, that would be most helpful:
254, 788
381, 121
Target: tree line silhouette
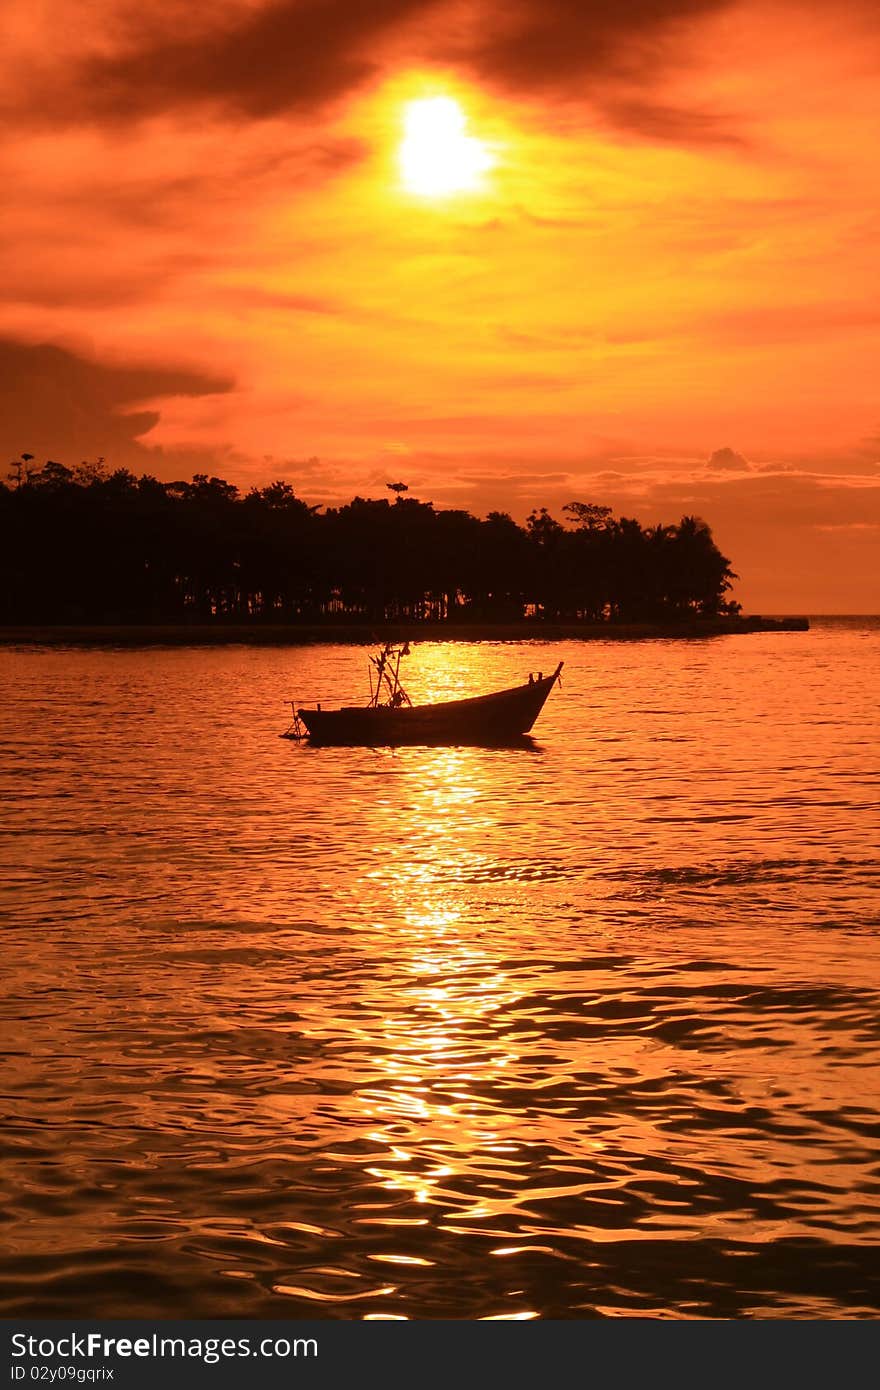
90, 544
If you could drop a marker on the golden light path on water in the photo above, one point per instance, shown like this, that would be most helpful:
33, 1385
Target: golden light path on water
582, 1030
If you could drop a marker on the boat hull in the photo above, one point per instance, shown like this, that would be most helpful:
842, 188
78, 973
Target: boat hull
502, 717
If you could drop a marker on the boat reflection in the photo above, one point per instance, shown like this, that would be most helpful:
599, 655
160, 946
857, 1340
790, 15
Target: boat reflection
524, 742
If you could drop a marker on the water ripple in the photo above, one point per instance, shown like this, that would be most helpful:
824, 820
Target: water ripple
443, 1032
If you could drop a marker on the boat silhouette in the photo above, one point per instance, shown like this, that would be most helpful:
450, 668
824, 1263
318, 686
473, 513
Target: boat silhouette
503, 717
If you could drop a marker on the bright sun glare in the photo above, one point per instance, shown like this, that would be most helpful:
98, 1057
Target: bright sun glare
436, 155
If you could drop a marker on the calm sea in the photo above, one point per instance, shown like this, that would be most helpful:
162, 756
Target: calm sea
586, 1030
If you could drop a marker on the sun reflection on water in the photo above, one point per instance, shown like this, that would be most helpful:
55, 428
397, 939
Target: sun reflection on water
444, 1048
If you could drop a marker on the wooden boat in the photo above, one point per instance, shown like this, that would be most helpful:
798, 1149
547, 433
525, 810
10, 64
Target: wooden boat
391, 718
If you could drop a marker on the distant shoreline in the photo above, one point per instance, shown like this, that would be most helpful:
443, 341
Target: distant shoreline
302, 634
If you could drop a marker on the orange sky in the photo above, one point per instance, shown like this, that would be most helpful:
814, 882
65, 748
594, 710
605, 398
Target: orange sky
664, 297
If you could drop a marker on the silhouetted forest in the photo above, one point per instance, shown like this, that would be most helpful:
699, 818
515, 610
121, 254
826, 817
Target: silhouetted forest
92, 545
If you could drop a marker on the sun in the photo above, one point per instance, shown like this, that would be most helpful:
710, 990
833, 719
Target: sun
436, 155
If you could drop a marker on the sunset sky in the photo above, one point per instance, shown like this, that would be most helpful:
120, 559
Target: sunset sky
653, 283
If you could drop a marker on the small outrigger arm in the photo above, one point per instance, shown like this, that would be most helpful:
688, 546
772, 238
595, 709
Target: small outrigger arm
296, 729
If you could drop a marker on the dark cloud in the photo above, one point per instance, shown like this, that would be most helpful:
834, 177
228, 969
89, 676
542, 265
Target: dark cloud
660, 123
781, 500
729, 461
57, 404
606, 57
553, 45
295, 55
287, 55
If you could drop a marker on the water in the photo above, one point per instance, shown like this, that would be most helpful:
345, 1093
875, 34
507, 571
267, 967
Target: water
589, 1030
